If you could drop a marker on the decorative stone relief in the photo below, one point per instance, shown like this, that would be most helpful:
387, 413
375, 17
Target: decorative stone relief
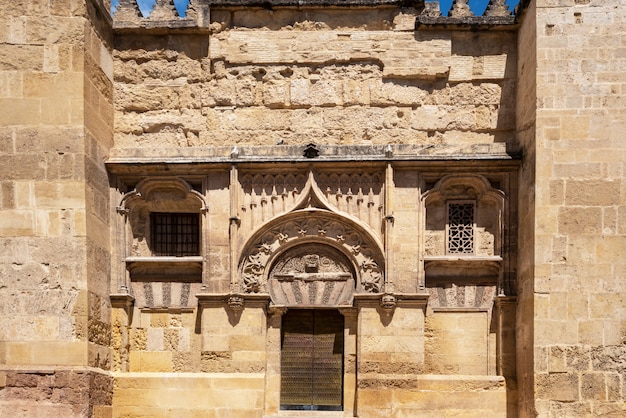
464, 215
457, 295
311, 275
357, 194
313, 226
165, 294
265, 196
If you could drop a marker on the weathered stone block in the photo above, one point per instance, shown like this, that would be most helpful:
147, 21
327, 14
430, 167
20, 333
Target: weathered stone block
150, 361
559, 387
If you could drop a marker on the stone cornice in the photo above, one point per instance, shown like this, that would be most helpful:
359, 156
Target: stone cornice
196, 160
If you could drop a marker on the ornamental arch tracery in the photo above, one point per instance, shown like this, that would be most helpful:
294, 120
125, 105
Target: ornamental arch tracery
312, 224
309, 229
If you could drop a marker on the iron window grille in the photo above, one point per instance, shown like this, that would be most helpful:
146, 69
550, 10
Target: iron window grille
175, 234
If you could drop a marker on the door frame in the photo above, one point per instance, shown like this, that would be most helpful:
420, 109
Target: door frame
272, 371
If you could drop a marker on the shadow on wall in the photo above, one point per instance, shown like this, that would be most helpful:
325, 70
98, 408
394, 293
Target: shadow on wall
477, 6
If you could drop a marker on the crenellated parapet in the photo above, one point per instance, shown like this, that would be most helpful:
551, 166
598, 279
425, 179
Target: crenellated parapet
169, 14
164, 15
461, 16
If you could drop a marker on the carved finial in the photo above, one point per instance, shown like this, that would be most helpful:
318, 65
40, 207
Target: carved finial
497, 8
127, 10
460, 8
311, 151
234, 153
432, 9
388, 151
164, 10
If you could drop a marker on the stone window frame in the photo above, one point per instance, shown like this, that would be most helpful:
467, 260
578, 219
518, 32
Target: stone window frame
465, 188
153, 195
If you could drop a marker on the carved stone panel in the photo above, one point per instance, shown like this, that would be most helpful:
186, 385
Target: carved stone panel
264, 196
307, 227
162, 294
267, 195
311, 275
461, 295
357, 194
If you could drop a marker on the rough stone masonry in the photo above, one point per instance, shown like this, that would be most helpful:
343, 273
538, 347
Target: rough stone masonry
356, 208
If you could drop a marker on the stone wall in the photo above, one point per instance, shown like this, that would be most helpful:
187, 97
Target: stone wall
269, 82
328, 76
579, 304
208, 395
435, 396
56, 129
525, 120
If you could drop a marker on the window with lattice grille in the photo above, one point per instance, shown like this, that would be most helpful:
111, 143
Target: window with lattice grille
460, 237
175, 234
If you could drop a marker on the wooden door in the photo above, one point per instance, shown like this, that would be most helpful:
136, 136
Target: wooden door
312, 360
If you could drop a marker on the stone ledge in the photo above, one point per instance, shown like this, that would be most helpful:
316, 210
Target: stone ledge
465, 23
295, 153
443, 383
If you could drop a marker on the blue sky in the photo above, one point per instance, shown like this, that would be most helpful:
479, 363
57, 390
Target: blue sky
478, 6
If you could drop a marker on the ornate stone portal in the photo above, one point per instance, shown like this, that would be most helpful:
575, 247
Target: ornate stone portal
316, 254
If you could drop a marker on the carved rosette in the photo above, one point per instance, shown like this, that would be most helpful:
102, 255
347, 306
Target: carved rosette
313, 226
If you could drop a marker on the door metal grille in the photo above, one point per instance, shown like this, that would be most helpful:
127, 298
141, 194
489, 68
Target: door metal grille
312, 360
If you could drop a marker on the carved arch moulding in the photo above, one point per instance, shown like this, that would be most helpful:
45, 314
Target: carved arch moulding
304, 234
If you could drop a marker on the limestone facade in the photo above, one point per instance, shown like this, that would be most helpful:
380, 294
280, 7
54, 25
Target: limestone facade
319, 209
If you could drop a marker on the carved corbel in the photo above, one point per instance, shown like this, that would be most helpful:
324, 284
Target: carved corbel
388, 303
124, 301
236, 302
274, 310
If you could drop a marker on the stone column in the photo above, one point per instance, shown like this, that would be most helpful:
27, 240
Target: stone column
272, 370
505, 308
121, 318
349, 357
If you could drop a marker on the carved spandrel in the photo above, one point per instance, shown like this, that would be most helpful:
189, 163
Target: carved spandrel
265, 196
